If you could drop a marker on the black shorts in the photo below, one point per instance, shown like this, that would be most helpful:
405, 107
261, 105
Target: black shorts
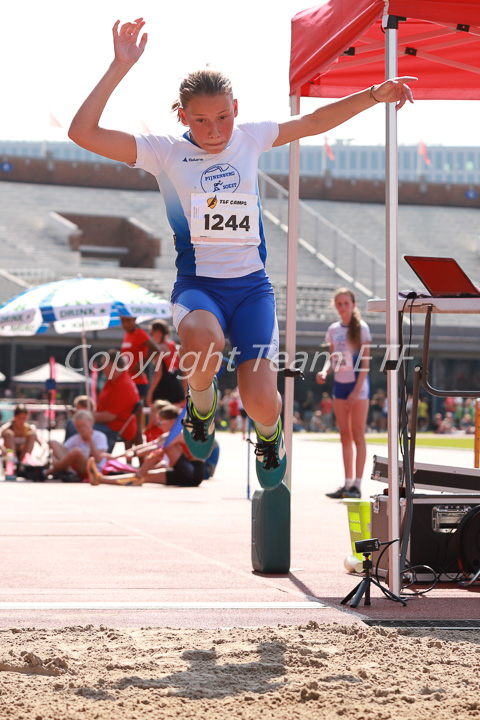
169, 388
186, 473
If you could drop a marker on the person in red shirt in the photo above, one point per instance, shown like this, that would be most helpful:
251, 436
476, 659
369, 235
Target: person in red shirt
449, 404
118, 399
160, 332
138, 347
233, 410
165, 383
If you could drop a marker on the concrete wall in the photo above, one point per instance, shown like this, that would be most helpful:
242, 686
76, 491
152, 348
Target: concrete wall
118, 175
373, 191
112, 233
47, 171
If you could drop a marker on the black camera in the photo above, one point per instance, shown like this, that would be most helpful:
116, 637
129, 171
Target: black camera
367, 546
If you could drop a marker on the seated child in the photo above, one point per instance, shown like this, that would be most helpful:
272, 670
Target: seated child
166, 460
18, 435
154, 429
76, 451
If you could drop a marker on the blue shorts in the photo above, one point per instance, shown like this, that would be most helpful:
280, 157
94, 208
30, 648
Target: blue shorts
142, 390
341, 391
244, 307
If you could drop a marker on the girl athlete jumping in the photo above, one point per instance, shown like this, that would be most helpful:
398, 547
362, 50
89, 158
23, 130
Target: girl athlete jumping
208, 179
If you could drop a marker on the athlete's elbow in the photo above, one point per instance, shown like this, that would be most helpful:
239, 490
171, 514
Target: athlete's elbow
78, 133
74, 132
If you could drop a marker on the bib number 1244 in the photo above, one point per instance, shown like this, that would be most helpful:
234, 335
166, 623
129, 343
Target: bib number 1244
225, 219
218, 222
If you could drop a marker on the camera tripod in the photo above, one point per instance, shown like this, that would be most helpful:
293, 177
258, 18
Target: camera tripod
363, 587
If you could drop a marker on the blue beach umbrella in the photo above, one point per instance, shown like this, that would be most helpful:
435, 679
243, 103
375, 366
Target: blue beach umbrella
79, 304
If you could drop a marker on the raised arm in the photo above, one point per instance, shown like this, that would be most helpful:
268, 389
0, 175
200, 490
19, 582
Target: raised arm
85, 129
329, 116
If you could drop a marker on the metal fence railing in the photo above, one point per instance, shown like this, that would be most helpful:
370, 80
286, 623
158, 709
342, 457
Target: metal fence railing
349, 259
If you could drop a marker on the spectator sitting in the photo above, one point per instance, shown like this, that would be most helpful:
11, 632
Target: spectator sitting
19, 435
172, 466
316, 423
154, 428
447, 426
326, 408
84, 444
437, 423
467, 424
118, 399
81, 402
152, 433
298, 425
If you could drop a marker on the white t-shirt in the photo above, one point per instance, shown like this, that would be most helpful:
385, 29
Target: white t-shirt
345, 359
99, 440
212, 201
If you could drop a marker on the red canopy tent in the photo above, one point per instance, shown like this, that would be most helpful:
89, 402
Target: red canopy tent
339, 47
344, 46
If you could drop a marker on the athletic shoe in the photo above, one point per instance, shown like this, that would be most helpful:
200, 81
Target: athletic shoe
353, 492
199, 432
271, 463
338, 494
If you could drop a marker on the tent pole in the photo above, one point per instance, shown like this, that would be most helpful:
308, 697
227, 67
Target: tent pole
291, 310
88, 392
392, 330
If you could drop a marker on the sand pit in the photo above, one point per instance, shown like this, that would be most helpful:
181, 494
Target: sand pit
307, 671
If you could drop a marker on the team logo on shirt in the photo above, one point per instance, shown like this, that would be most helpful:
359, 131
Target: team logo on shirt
220, 178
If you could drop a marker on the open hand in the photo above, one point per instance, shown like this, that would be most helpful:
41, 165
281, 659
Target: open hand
394, 90
351, 399
125, 41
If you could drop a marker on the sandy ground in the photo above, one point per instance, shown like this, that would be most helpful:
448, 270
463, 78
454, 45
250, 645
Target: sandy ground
91, 672
306, 671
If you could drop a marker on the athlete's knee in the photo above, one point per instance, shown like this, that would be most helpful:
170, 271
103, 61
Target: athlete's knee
346, 437
203, 340
73, 455
263, 407
358, 436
